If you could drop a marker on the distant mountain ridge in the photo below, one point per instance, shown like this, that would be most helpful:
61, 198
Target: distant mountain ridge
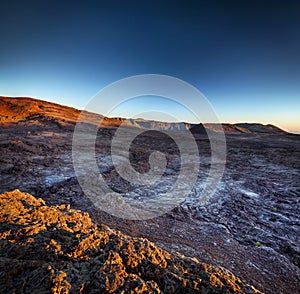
24, 108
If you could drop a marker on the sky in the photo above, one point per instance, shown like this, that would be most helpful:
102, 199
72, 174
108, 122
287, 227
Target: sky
244, 56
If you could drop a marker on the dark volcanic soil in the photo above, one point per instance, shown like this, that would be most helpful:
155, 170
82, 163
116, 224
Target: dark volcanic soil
251, 225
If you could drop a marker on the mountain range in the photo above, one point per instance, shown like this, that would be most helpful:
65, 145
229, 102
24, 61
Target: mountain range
24, 108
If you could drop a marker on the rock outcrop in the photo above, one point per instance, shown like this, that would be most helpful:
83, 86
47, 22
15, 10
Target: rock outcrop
60, 250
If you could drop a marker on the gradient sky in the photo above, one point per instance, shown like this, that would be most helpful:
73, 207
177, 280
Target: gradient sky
244, 56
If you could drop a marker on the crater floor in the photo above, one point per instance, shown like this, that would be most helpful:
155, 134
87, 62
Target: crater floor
251, 225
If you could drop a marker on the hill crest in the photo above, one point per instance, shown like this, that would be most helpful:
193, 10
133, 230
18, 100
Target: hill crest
24, 108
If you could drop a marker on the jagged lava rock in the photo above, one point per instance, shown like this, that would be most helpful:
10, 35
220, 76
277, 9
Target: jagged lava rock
60, 250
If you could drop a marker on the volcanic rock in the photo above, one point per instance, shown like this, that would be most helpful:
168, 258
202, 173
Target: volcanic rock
57, 249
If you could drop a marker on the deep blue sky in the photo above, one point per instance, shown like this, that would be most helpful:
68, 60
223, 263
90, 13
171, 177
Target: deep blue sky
244, 56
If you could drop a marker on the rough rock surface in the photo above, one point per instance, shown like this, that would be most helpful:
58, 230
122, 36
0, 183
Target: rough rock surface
60, 250
250, 226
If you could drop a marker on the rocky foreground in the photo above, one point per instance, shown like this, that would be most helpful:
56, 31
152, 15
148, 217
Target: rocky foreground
60, 250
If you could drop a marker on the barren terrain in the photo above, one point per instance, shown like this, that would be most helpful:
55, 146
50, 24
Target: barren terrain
60, 250
251, 226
